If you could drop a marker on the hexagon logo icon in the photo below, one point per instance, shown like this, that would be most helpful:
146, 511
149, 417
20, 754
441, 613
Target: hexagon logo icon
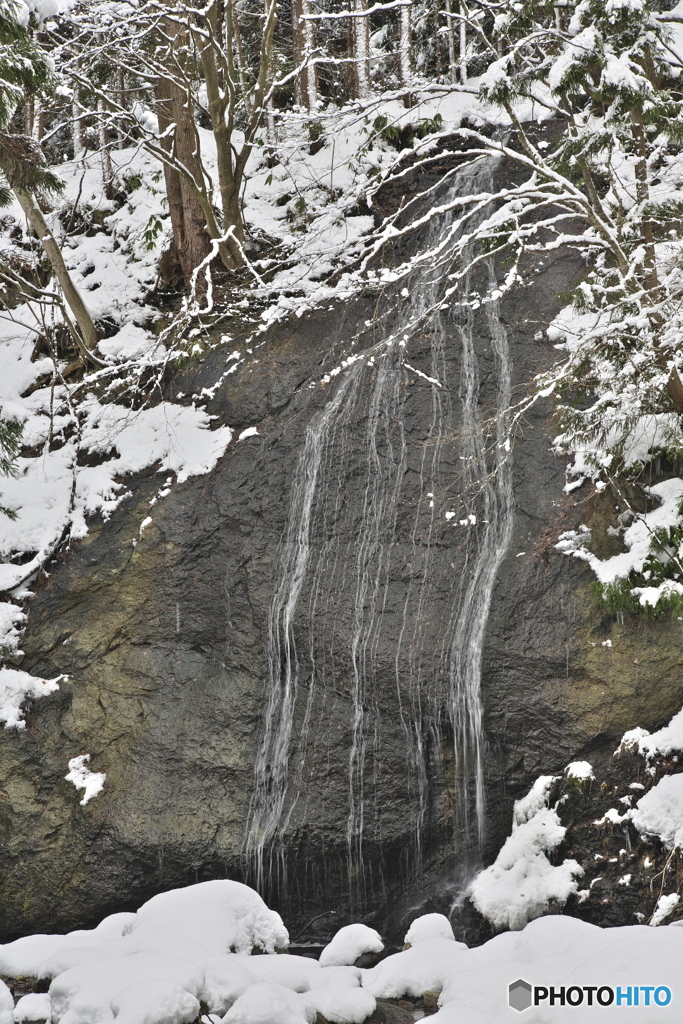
519, 995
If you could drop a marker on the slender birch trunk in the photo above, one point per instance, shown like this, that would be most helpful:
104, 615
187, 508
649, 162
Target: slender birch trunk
406, 47
77, 129
360, 33
463, 46
452, 67
86, 336
105, 151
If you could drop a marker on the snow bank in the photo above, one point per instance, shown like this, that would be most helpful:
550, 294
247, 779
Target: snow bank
159, 965
82, 778
521, 883
350, 943
560, 952
15, 688
24, 956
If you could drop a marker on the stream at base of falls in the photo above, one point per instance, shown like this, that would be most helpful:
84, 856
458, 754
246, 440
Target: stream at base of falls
389, 530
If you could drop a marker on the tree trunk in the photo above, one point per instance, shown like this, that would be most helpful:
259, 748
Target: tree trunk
219, 101
452, 71
463, 45
360, 34
87, 335
105, 151
38, 126
303, 37
406, 53
187, 217
77, 130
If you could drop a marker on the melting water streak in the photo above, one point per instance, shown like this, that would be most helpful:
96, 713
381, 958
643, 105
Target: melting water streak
374, 389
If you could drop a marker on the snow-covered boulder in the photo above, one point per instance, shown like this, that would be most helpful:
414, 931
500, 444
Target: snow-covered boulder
270, 1004
429, 926
349, 944
222, 915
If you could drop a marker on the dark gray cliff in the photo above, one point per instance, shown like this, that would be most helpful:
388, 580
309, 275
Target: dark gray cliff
163, 636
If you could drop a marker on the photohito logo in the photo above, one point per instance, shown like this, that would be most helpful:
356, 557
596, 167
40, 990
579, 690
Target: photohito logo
522, 995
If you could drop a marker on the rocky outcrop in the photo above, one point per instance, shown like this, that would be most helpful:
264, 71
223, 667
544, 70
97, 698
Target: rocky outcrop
162, 635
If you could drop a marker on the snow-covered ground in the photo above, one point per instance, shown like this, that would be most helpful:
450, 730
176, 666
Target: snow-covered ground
194, 946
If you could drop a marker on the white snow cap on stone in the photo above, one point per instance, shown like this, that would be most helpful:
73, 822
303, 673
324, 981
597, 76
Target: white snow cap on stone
429, 926
422, 968
35, 1006
81, 776
221, 915
580, 771
349, 943
336, 993
270, 1004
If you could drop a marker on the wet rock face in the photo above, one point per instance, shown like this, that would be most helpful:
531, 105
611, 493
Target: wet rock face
163, 637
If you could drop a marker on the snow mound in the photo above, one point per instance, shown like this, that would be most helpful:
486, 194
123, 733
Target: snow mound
225, 979
89, 994
349, 943
35, 1006
429, 926
6, 1004
423, 968
222, 915
337, 995
24, 956
270, 1004
521, 883
155, 1002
